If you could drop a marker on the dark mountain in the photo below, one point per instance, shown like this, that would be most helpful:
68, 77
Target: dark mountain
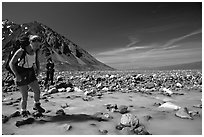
66, 54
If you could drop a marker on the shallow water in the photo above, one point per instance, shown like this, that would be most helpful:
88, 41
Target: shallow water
162, 122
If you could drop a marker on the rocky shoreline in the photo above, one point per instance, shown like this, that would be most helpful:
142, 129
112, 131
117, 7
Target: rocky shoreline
110, 102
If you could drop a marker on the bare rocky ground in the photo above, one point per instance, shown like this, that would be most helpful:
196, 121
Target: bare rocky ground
110, 103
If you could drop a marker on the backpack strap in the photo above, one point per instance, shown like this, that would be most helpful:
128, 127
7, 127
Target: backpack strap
23, 57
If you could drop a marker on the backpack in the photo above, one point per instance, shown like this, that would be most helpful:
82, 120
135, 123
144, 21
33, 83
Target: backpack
19, 44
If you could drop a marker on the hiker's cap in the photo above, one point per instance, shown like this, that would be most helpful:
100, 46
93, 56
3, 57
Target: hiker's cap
34, 38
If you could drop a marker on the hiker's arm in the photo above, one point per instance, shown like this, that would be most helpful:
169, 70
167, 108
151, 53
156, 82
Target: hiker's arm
13, 60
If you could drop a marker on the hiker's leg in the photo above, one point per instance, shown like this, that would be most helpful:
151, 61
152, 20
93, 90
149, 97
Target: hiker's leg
51, 77
36, 89
24, 93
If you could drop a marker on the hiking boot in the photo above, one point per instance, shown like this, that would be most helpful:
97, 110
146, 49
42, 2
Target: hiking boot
38, 108
25, 113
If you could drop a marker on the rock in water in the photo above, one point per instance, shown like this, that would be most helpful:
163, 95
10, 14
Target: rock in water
141, 131
198, 106
24, 122
5, 118
103, 131
123, 109
52, 91
169, 105
129, 120
67, 127
183, 113
60, 112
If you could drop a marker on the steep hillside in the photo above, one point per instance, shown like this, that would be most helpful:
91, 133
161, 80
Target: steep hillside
66, 54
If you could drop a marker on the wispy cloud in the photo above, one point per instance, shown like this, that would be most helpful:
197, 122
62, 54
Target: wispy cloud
133, 41
172, 41
122, 50
171, 47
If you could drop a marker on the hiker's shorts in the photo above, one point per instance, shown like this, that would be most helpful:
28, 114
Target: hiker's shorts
27, 76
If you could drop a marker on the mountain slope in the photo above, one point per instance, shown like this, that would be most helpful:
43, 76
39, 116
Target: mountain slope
66, 54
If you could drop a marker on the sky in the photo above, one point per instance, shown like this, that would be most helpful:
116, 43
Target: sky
123, 35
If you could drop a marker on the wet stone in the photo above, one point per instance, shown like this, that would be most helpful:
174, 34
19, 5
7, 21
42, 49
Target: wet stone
67, 127
88, 98
60, 112
103, 131
198, 106
123, 109
64, 106
15, 114
119, 127
25, 122
147, 117
5, 118
183, 113
129, 120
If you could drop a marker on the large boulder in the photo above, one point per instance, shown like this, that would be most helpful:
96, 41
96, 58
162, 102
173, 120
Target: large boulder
129, 120
169, 105
183, 113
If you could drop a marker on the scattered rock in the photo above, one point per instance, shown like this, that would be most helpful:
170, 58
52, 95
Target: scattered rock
59, 78
77, 89
100, 116
169, 105
15, 114
167, 91
123, 109
93, 124
7, 99
69, 89
52, 91
7, 103
119, 127
67, 127
60, 112
88, 98
198, 106
91, 92
157, 104
147, 117
64, 106
141, 131
194, 113
178, 85
103, 131
5, 119
62, 90
127, 131
129, 120
48, 111
37, 114
25, 122
183, 113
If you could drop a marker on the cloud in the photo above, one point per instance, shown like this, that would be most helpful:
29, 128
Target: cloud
171, 47
122, 50
154, 57
133, 40
172, 41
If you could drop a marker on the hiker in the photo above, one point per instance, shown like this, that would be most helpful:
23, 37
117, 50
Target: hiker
24, 71
50, 71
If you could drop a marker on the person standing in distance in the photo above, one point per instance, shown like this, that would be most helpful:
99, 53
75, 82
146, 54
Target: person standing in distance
50, 71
